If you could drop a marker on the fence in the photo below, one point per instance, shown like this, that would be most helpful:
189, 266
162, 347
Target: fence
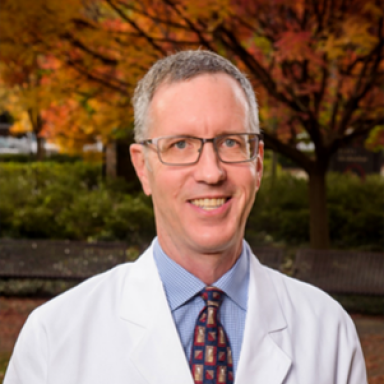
333, 271
342, 272
73, 260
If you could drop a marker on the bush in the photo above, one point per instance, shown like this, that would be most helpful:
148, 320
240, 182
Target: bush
28, 158
33, 195
280, 212
355, 209
70, 201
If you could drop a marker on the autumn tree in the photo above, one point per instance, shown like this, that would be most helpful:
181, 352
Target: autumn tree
22, 75
317, 66
47, 91
321, 65
24, 101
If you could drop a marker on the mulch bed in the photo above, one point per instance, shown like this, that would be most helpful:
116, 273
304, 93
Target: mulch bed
371, 332
14, 311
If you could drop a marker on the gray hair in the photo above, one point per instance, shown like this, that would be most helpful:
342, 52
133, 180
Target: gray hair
182, 66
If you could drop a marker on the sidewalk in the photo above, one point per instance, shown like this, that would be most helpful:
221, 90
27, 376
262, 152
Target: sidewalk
13, 313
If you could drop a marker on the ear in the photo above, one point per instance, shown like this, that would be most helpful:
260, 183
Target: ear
259, 164
139, 163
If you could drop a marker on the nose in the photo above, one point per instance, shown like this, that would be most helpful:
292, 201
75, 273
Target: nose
209, 169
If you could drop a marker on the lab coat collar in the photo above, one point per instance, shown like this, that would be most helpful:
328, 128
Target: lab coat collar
158, 353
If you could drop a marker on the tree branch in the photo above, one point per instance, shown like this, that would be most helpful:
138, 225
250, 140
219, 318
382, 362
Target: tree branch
137, 28
255, 67
88, 75
192, 26
271, 142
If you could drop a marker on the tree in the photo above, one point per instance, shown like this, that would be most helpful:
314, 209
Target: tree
317, 66
46, 92
321, 65
22, 74
24, 101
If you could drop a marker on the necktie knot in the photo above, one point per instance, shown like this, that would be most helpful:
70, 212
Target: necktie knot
212, 296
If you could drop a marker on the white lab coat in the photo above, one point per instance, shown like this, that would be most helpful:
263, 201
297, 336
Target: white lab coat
117, 328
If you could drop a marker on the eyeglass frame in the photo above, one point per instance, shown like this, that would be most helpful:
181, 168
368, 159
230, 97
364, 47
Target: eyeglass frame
213, 140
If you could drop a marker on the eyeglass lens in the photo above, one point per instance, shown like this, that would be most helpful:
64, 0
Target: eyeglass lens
230, 148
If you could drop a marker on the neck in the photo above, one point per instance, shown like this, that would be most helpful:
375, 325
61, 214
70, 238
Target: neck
206, 266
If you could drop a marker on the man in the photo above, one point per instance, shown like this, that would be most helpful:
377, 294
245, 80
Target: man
197, 306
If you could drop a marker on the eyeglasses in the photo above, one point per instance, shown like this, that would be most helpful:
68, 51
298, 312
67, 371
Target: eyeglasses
186, 150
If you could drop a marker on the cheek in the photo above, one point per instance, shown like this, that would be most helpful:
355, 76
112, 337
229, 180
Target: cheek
253, 179
248, 187
247, 178
166, 187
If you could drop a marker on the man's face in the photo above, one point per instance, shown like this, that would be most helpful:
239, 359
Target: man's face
183, 196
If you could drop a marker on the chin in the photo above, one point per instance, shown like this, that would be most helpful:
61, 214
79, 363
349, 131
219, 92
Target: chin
213, 243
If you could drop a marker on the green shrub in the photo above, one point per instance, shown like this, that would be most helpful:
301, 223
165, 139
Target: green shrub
355, 210
132, 220
70, 201
33, 195
280, 212
28, 158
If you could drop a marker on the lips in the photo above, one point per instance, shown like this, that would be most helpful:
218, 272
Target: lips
209, 204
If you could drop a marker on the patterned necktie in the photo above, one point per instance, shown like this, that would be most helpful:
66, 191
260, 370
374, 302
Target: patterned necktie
211, 356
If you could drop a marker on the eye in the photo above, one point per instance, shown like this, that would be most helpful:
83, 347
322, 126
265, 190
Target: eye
181, 144
229, 143
177, 144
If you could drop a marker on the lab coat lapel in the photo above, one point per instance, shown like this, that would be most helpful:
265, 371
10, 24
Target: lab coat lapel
261, 360
158, 353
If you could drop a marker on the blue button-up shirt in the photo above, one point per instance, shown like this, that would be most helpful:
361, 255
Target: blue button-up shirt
181, 289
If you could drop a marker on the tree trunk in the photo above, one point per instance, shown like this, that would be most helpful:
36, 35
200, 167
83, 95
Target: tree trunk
118, 163
40, 154
319, 230
37, 126
111, 160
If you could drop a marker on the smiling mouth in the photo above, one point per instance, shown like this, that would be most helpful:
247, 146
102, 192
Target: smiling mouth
209, 204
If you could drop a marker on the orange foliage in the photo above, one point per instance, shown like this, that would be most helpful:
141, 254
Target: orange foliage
317, 66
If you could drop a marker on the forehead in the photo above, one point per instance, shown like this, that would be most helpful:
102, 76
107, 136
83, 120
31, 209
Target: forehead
209, 101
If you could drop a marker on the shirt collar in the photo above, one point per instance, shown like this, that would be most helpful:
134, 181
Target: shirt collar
180, 285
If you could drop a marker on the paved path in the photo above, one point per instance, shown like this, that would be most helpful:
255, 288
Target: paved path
13, 313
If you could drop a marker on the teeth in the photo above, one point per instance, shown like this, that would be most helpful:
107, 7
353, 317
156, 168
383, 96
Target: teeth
208, 204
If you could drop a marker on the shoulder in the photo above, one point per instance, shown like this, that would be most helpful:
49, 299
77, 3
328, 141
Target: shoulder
297, 297
303, 305
313, 318
87, 320
102, 293
86, 296
315, 330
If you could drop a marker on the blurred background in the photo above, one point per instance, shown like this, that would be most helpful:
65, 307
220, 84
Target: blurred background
70, 203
